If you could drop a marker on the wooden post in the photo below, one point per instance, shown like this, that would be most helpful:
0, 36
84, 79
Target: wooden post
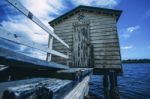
67, 62
50, 45
114, 92
106, 86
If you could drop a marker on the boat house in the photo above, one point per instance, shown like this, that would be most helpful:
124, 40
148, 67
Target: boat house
91, 33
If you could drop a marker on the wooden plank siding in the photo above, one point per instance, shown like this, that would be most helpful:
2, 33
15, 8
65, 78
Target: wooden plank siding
103, 37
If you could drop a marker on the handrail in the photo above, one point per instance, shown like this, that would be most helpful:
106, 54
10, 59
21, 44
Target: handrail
20, 40
27, 13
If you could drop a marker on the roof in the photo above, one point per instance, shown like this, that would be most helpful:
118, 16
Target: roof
112, 12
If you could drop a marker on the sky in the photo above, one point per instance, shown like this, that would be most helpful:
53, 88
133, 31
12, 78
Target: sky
133, 25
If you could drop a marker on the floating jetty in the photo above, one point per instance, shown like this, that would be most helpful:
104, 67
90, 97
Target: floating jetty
84, 43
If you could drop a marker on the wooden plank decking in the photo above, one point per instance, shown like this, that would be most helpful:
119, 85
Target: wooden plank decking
58, 81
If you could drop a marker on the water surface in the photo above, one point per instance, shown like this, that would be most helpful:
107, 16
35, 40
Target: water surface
134, 84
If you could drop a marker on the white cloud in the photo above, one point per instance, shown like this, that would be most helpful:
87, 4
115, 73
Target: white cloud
127, 47
36, 54
20, 25
42, 8
32, 53
126, 33
98, 3
26, 29
132, 29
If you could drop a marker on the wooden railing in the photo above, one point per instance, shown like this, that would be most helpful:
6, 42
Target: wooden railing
20, 40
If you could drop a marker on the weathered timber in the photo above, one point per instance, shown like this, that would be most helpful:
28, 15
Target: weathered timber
66, 40
104, 41
104, 37
110, 85
108, 61
106, 45
104, 30
107, 53
106, 66
106, 85
94, 21
89, 16
106, 49
81, 44
5, 85
106, 57
101, 29
114, 92
50, 45
92, 26
76, 74
14, 59
106, 71
92, 30
59, 44
102, 33
80, 91
57, 90
11, 74
98, 45
45, 89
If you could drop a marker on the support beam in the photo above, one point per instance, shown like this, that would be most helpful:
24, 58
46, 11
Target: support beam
106, 86
114, 92
50, 45
110, 85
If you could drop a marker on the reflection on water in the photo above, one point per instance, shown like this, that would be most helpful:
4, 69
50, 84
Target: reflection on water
134, 84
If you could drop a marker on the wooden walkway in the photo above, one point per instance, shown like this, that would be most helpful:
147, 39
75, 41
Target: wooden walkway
56, 81
24, 77
44, 88
41, 79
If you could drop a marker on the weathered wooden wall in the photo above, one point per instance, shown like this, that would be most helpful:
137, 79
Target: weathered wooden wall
103, 37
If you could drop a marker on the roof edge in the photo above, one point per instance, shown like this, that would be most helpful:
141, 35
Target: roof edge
82, 7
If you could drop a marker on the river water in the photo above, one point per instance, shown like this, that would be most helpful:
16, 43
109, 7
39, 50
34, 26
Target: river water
133, 84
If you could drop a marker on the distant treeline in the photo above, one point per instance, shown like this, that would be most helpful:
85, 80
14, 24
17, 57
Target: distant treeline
136, 61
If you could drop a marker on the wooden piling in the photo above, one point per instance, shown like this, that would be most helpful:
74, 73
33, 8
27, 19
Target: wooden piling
110, 85
114, 92
106, 86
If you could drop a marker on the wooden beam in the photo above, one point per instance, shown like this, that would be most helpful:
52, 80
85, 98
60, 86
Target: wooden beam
80, 90
76, 74
106, 85
33, 18
14, 59
50, 45
21, 40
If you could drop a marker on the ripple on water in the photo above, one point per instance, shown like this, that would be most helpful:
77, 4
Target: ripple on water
134, 84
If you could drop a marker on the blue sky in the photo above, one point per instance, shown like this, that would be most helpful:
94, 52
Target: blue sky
133, 25
134, 28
